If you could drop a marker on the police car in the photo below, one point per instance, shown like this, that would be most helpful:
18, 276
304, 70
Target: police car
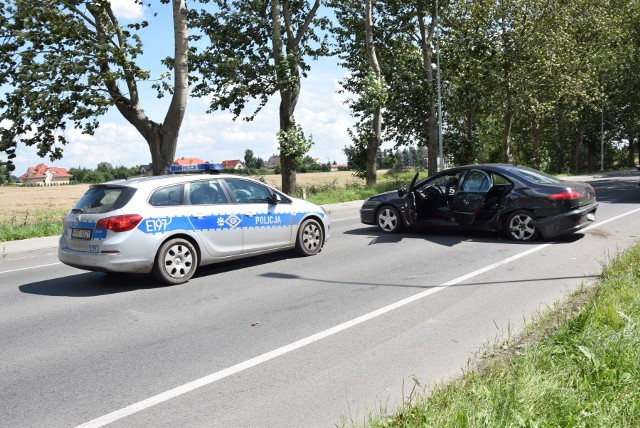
169, 225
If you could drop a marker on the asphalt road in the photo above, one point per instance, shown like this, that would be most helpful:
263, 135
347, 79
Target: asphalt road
280, 340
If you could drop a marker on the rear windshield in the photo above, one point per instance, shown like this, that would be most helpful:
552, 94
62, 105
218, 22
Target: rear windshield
101, 199
533, 175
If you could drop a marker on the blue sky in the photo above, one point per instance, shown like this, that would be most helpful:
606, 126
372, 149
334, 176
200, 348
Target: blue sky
211, 137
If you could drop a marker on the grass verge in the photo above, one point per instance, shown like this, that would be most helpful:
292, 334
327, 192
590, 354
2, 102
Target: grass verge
37, 224
578, 365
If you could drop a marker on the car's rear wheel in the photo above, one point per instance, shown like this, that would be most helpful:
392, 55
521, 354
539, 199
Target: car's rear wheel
176, 262
520, 226
388, 219
310, 238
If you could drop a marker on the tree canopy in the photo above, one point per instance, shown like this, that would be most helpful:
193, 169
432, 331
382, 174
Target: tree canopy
66, 63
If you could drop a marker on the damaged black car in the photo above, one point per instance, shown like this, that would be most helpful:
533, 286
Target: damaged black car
521, 202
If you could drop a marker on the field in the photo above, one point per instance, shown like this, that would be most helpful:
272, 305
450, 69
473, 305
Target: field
24, 205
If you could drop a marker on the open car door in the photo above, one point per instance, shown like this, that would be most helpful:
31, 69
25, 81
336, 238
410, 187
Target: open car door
470, 196
410, 212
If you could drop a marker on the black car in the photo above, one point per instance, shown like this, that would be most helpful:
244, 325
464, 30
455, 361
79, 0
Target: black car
521, 202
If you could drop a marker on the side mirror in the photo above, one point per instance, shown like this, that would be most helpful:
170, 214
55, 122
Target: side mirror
275, 199
402, 192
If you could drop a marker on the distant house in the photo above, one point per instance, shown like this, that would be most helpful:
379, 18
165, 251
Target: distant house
233, 164
187, 161
42, 175
273, 161
339, 167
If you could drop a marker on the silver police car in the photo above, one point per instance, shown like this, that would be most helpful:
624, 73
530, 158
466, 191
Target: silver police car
169, 225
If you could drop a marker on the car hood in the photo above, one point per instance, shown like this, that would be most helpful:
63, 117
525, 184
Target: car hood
386, 196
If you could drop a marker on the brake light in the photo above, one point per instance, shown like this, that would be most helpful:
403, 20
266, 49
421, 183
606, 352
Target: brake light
566, 195
119, 223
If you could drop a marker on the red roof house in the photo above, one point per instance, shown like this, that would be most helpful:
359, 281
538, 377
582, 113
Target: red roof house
42, 175
233, 164
188, 161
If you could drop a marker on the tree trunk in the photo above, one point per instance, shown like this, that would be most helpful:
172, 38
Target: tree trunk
288, 94
506, 135
579, 142
432, 129
632, 152
161, 138
287, 163
469, 120
559, 155
375, 140
535, 138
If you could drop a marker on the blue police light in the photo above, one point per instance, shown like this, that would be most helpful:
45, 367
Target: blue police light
212, 168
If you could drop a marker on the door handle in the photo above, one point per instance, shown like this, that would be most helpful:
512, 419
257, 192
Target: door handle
250, 214
199, 216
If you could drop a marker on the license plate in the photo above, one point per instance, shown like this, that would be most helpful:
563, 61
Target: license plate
591, 217
81, 233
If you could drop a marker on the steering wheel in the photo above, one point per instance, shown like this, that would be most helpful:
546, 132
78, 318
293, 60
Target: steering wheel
434, 193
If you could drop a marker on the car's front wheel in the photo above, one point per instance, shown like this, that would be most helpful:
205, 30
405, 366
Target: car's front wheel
310, 238
520, 226
176, 262
388, 219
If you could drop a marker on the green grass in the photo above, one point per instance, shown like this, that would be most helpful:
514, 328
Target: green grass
331, 193
37, 224
576, 366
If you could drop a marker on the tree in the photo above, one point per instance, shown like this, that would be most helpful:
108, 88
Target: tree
259, 48
68, 62
378, 98
249, 160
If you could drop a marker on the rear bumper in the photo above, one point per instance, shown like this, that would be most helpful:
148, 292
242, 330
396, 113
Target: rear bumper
566, 223
102, 262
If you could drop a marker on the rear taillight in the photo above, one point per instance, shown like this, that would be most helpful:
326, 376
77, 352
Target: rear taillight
119, 223
566, 195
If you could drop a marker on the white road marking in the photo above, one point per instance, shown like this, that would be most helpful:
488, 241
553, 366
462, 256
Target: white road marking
30, 267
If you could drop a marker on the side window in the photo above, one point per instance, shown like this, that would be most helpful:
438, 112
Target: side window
476, 181
248, 192
167, 196
206, 193
499, 180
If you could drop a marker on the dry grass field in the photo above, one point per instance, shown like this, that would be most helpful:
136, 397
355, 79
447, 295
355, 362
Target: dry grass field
23, 205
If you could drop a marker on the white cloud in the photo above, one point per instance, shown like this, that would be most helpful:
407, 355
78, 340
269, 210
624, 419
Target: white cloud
127, 9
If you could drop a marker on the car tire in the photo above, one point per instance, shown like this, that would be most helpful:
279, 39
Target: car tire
176, 262
520, 227
310, 238
388, 219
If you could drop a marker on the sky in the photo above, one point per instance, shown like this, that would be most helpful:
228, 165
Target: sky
212, 137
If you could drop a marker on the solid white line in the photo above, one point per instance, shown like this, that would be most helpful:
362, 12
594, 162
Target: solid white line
30, 267
214, 377
600, 223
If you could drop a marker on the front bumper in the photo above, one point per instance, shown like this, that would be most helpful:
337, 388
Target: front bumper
368, 212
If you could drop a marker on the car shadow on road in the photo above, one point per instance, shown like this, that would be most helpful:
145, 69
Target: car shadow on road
448, 237
91, 284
